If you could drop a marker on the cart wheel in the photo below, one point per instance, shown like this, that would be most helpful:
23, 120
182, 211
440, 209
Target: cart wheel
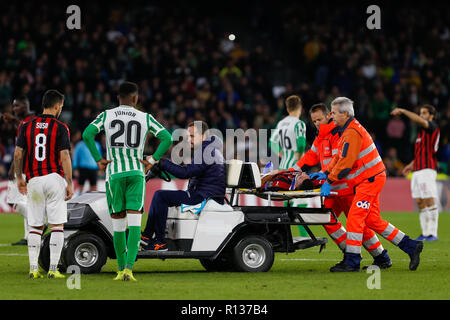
220, 264
44, 255
86, 251
253, 254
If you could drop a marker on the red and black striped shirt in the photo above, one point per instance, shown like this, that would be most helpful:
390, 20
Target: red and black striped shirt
426, 147
42, 138
21, 123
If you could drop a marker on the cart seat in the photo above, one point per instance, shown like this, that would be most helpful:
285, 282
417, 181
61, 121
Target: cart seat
242, 174
210, 206
213, 205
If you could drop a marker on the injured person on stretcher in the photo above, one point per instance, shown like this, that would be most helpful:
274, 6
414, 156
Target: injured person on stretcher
284, 180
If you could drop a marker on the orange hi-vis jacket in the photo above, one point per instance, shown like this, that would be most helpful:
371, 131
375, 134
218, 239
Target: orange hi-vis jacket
324, 147
357, 159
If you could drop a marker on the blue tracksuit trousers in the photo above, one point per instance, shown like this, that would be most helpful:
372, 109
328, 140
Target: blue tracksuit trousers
157, 215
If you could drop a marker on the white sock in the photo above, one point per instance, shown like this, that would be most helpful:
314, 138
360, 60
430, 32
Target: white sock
134, 219
22, 209
424, 222
34, 246
119, 225
433, 216
56, 245
26, 228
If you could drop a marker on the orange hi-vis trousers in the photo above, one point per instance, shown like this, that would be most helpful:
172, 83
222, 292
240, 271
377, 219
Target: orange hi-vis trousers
338, 233
365, 213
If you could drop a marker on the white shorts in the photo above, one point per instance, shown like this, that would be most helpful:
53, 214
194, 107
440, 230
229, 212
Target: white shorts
423, 184
45, 200
14, 196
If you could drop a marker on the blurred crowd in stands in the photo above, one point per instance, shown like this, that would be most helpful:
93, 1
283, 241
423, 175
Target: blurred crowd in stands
187, 68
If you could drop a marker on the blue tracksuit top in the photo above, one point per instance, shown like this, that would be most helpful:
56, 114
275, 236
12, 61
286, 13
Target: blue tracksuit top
82, 157
206, 178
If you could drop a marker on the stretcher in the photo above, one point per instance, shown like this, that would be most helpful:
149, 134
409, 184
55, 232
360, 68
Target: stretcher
288, 214
283, 195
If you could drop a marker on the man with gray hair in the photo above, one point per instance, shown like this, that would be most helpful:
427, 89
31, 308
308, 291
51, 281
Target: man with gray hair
344, 104
360, 164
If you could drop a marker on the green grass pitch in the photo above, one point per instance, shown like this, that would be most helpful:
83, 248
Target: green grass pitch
296, 276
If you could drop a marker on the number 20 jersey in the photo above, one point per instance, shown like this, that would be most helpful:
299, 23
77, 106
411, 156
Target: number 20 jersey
126, 130
43, 138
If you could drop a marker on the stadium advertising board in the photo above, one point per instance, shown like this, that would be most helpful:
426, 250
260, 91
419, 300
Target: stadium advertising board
396, 195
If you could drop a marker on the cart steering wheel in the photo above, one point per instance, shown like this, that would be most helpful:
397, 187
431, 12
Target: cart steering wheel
165, 176
157, 172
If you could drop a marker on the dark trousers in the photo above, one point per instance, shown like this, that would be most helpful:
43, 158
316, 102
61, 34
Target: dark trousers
87, 174
157, 215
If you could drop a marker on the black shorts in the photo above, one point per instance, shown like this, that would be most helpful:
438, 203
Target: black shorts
87, 174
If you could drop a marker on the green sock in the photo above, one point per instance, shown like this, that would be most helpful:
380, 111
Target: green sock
301, 229
134, 236
120, 247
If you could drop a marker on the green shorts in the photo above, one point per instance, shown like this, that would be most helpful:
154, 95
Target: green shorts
125, 193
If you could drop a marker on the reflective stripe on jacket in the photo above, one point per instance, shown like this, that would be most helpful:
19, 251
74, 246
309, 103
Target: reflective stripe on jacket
358, 158
324, 147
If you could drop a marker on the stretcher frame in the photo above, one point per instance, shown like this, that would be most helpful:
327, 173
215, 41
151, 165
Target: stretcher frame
293, 212
283, 195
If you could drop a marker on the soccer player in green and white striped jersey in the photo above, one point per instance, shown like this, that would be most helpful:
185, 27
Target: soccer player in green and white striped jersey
289, 140
126, 130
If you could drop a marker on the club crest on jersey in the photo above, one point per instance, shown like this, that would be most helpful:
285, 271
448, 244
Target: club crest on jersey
41, 125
